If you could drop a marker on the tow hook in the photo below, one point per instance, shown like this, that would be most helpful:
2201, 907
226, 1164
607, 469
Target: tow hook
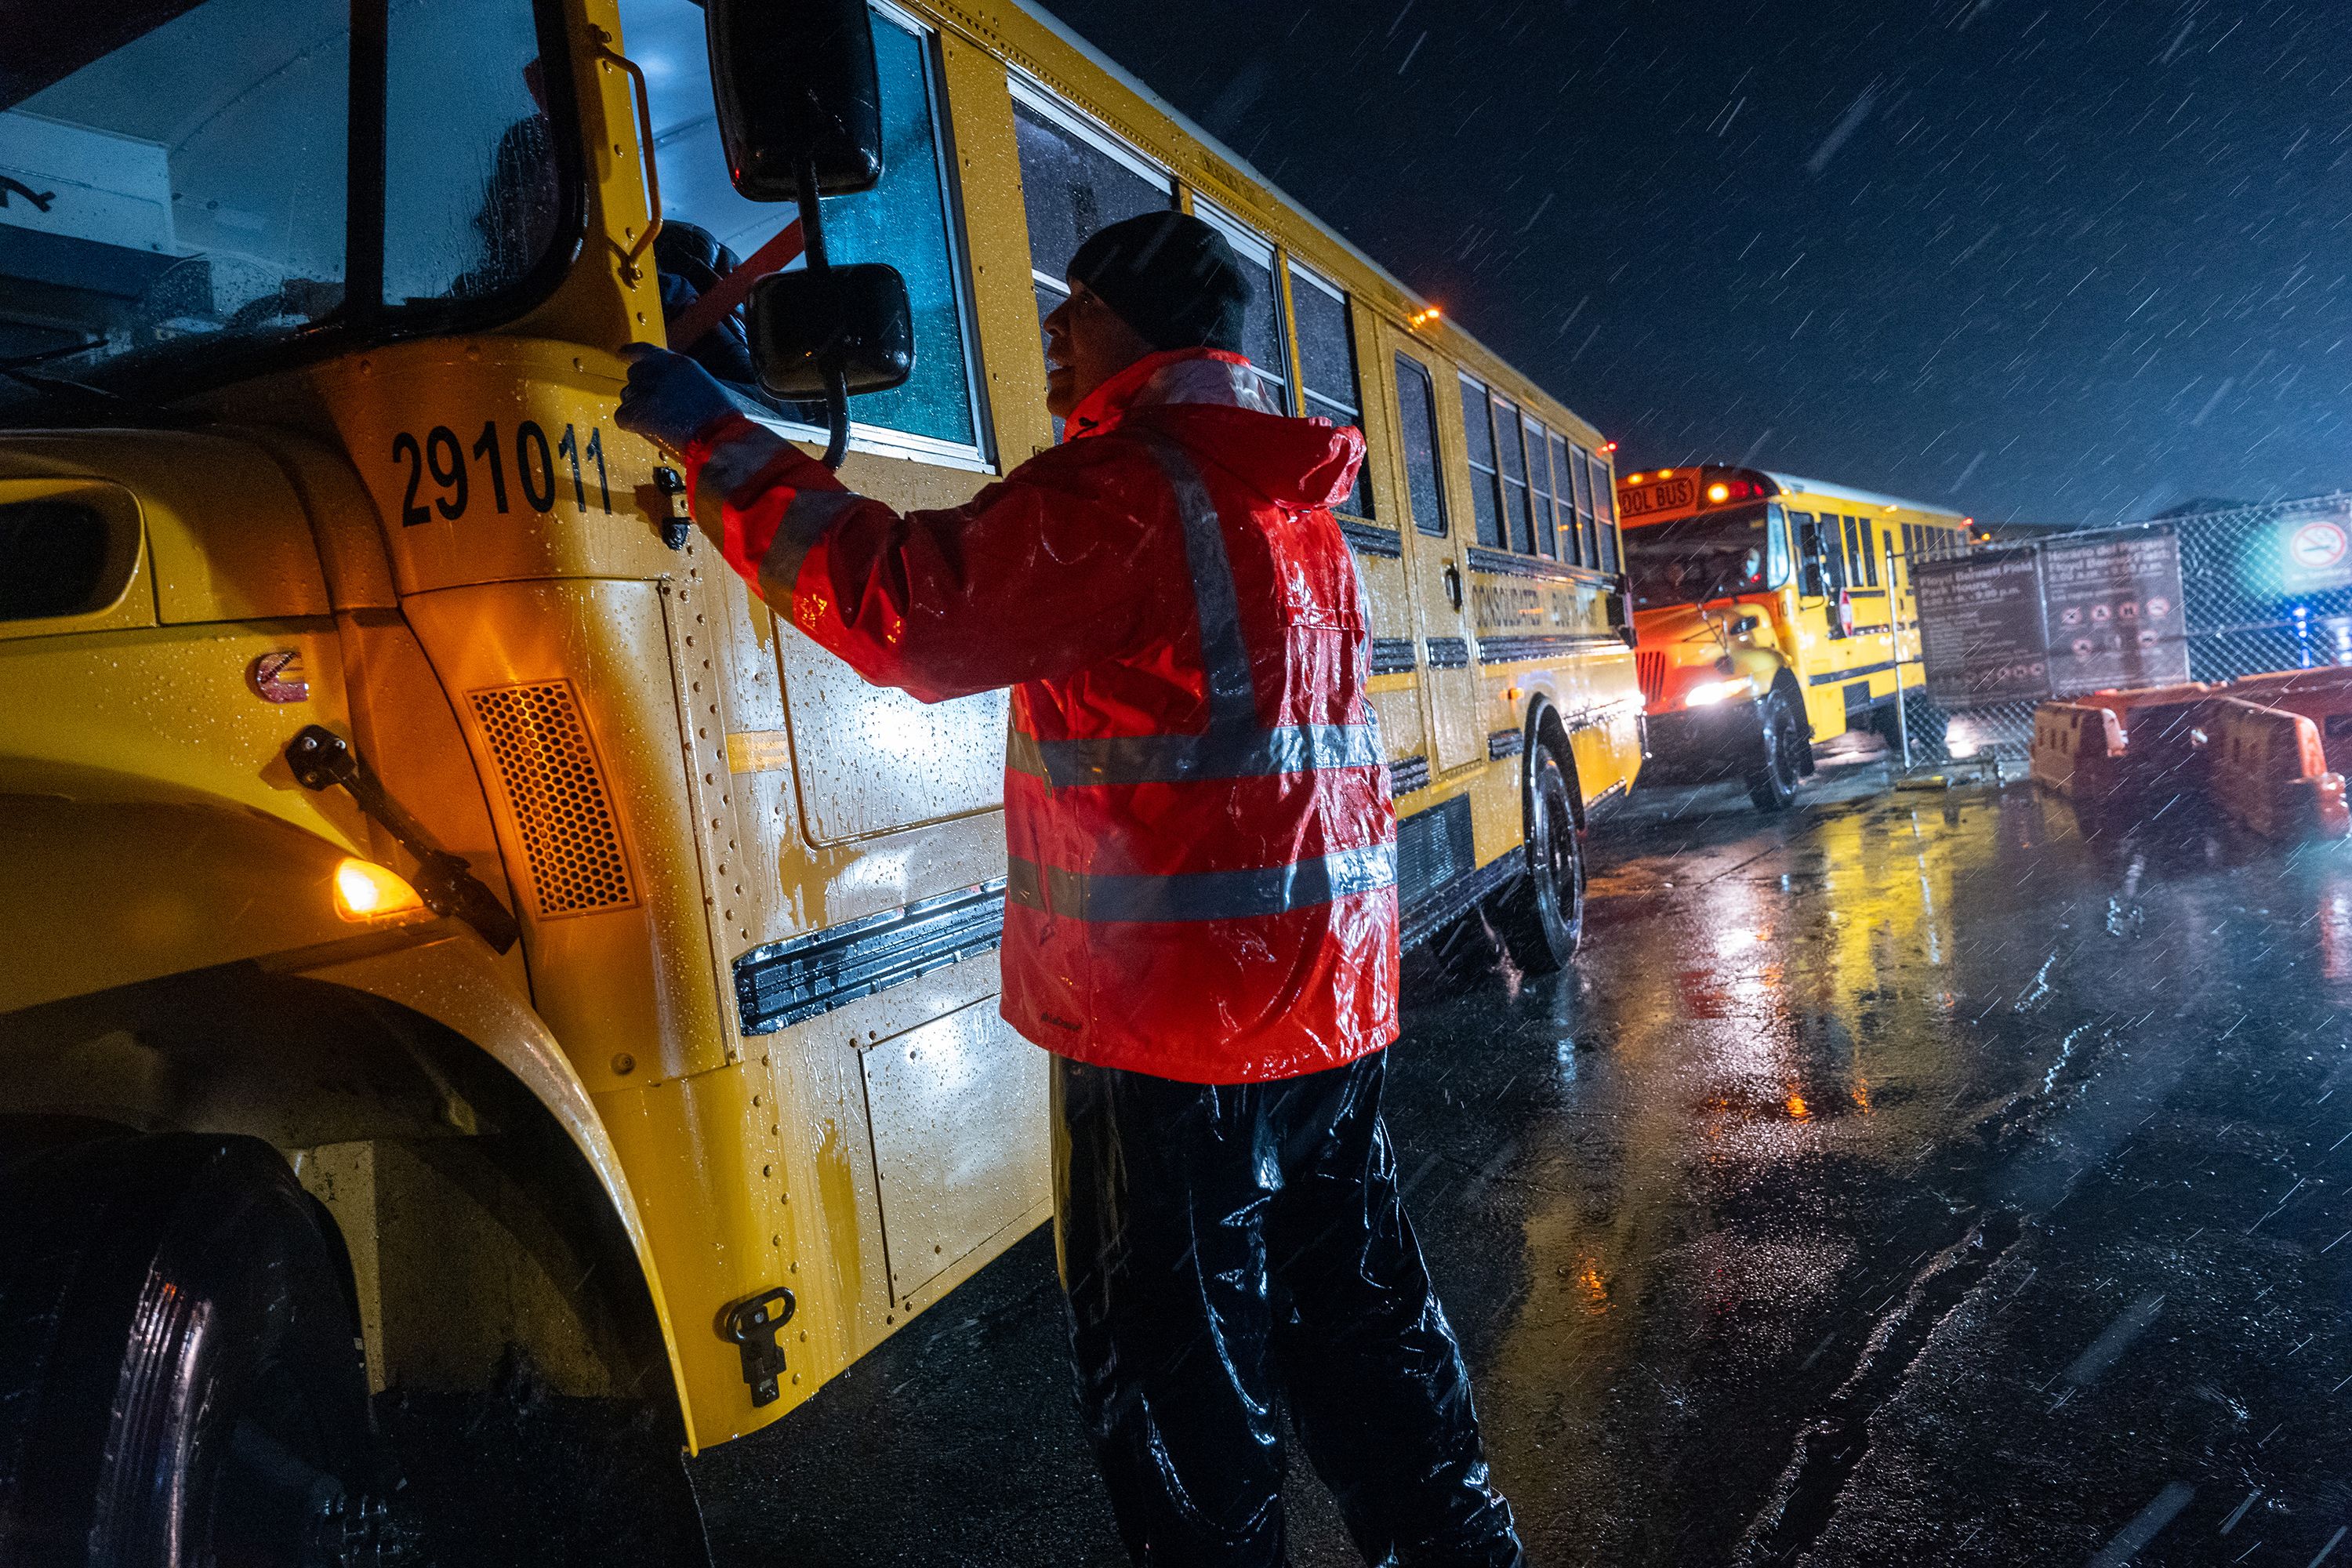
321, 759
751, 1325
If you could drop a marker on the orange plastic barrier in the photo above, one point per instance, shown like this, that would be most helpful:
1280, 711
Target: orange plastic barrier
2078, 751
2321, 696
2265, 768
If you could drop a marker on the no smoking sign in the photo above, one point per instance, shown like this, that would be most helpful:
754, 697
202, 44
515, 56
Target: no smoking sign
2316, 546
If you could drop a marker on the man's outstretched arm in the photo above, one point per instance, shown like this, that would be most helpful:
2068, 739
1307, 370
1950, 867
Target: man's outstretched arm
1035, 577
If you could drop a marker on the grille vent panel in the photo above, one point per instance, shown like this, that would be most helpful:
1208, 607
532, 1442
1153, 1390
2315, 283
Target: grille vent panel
561, 805
1651, 665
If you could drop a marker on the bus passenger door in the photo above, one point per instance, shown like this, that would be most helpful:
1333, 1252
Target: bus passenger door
1441, 590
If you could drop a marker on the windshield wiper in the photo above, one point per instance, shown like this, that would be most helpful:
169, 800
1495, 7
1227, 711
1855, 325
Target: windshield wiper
1706, 598
40, 355
97, 402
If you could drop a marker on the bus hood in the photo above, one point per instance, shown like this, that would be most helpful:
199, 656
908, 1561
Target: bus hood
1676, 648
1685, 636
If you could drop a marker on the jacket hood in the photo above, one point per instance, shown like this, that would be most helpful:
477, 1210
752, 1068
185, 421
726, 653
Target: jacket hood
1208, 399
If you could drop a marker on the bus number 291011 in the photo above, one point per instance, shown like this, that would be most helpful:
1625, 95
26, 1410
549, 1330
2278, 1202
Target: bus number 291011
444, 457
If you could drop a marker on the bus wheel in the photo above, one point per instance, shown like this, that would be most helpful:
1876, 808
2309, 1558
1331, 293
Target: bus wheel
1773, 786
1890, 729
1541, 914
180, 1381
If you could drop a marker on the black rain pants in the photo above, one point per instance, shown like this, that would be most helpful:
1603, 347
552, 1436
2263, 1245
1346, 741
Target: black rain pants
1230, 1249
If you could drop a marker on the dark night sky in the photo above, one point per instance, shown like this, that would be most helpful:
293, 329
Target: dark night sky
2050, 263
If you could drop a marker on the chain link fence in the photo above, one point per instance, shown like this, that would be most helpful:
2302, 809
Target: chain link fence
2263, 587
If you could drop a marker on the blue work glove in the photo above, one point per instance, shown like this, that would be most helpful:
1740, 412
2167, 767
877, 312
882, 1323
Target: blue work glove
669, 399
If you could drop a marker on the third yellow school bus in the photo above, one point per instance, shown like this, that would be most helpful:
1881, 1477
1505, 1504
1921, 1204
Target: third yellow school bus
1772, 612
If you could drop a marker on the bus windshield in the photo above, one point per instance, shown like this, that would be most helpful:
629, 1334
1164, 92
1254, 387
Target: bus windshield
1705, 557
178, 182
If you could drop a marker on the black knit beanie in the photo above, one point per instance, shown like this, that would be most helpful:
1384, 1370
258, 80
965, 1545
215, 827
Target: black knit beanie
1170, 277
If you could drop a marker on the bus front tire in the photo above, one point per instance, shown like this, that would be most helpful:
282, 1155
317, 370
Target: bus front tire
1773, 786
1541, 915
179, 1374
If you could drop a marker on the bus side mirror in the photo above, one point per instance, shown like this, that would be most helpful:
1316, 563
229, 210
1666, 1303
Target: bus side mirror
796, 94
851, 319
1810, 582
1621, 613
1813, 575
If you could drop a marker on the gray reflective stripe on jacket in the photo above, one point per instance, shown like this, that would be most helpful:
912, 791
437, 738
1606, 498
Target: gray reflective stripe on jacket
737, 460
806, 517
1201, 895
1233, 746
1171, 759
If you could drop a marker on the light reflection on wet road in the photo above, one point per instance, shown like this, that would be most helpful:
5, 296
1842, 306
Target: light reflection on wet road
1908, 1179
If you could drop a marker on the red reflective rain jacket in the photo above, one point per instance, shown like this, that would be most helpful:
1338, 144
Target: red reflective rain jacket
1202, 879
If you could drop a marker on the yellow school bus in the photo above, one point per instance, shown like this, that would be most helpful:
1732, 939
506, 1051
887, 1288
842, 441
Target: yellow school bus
447, 918
1773, 612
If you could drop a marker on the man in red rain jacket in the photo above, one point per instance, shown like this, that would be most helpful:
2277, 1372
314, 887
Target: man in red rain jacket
1201, 917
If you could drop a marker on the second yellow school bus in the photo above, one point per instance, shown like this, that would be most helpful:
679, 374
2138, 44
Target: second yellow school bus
1772, 612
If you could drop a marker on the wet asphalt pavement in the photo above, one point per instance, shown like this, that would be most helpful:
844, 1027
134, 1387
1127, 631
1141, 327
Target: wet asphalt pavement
1912, 1178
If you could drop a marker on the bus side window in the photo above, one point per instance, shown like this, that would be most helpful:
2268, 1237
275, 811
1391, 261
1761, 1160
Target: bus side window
1327, 364
1817, 561
1075, 178
1776, 546
1849, 552
1511, 458
1588, 519
1486, 484
1571, 470
1417, 423
1262, 323
1605, 513
1539, 486
1871, 549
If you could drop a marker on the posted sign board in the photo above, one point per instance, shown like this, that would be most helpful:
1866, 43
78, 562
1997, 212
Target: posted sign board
2114, 612
1980, 629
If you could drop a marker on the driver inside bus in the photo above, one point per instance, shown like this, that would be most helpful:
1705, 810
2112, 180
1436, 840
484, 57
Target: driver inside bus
1200, 915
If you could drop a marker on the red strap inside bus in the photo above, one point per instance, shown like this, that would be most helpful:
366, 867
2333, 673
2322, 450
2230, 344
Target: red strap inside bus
732, 290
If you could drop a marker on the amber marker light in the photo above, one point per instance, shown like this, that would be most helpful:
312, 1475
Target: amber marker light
1423, 317
367, 891
1718, 492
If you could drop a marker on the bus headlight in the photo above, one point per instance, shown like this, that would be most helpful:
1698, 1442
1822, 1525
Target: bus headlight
366, 891
1707, 693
